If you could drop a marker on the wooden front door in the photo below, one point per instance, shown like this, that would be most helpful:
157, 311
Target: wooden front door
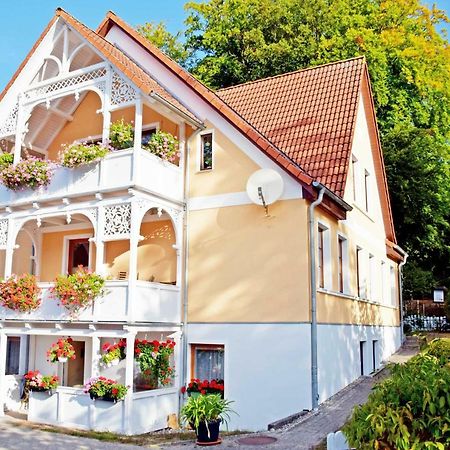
78, 254
75, 367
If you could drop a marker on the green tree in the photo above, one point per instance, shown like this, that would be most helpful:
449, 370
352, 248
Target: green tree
232, 41
169, 43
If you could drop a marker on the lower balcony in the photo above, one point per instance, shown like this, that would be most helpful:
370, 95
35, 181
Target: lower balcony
151, 302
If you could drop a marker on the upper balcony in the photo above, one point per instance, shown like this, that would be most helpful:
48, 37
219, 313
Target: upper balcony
77, 107
118, 171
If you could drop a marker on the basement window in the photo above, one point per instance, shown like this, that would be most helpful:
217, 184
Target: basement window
207, 361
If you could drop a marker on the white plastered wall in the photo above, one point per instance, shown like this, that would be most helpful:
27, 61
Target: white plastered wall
339, 353
267, 371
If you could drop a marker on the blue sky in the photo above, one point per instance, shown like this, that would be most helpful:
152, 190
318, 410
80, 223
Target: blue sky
23, 21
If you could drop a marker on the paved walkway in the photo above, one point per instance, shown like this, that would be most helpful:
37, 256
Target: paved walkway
304, 434
15, 436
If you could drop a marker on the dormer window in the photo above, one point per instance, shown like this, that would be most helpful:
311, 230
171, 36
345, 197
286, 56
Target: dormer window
206, 151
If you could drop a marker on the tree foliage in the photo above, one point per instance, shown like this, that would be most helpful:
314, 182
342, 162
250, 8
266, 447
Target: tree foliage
232, 41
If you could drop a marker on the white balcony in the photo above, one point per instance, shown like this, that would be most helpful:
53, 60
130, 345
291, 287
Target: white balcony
152, 302
73, 408
114, 172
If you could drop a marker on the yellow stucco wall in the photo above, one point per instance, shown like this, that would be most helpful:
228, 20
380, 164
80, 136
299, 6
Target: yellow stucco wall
231, 167
157, 258
52, 252
245, 267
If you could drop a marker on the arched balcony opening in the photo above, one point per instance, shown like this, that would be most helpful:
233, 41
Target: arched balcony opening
50, 246
157, 257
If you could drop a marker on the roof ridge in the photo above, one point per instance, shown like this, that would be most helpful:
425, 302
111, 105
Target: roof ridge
280, 75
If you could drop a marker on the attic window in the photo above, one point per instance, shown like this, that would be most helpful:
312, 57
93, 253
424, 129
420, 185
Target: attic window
206, 156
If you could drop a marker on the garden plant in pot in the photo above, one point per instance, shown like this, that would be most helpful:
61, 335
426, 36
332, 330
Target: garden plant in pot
204, 414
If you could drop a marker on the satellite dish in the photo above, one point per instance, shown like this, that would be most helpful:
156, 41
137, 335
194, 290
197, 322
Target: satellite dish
265, 187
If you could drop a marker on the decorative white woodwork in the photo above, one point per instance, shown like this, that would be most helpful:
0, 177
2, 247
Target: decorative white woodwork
8, 127
3, 233
117, 222
122, 92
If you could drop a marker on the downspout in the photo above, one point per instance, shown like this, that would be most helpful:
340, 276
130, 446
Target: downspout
313, 287
400, 288
185, 262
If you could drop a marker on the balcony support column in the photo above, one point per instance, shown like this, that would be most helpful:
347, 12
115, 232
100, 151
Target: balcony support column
3, 340
107, 107
99, 243
95, 356
129, 377
9, 253
137, 137
19, 132
132, 269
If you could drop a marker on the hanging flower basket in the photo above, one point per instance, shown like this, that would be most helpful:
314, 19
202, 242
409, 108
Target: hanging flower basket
102, 388
113, 353
61, 351
78, 291
30, 173
20, 293
77, 154
154, 359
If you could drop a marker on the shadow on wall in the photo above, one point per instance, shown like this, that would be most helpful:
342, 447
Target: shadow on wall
156, 260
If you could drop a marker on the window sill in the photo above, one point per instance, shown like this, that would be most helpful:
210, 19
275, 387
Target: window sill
352, 297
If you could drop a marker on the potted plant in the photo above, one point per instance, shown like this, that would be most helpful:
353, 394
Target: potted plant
79, 290
102, 388
163, 145
61, 351
154, 359
78, 154
31, 173
197, 387
113, 353
204, 414
20, 293
121, 135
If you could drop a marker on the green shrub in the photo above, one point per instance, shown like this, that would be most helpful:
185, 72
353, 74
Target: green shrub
440, 349
408, 411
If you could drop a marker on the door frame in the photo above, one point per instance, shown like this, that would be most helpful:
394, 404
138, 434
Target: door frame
65, 255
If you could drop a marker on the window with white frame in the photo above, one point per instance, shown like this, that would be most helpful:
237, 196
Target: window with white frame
366, 190
12, 355
206, 151
360, 282
324, 279
342, 264
383, 282
320, 257
371, 278
393, 286
354, 177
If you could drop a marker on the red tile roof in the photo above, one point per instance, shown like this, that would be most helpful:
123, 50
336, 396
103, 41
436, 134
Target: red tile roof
309, 115
211, 97
138, 76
